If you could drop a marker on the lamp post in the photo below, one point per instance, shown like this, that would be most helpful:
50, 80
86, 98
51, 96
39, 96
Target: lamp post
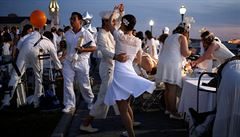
54, 13
182, 11
151, 23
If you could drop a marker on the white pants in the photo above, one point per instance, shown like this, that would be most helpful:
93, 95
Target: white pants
81, 71
100, 109
25, 58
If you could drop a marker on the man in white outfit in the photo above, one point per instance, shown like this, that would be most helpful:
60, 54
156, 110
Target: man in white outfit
35, 44
77, 63
106, 44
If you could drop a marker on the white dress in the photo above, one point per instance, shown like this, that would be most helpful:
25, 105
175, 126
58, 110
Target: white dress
170, 62
125, 80
227, 121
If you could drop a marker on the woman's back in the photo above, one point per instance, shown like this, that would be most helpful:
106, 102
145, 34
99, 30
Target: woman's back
127, 44
171, 49
222, 53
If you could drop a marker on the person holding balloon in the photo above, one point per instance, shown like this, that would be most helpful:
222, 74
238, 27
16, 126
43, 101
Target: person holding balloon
34, 45
80, 44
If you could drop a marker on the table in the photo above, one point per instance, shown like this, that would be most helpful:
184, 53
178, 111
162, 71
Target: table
189, 96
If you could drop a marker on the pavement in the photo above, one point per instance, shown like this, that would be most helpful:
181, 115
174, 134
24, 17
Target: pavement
154, 124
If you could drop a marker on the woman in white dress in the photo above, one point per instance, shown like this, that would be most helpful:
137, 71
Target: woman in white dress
170, 65
227, 121
214, 49
126, 82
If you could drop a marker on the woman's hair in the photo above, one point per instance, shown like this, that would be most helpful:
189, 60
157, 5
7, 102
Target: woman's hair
207, 37
180, 29
6, 37
129, 22
148, 34
163, 37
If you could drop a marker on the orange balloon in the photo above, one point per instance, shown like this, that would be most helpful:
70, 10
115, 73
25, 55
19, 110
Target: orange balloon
38, 18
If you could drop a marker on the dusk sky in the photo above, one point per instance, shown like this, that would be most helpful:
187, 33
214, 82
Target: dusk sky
220, 16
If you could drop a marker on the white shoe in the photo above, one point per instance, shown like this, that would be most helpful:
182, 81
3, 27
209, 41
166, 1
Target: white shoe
166, 112
124, 134
68, 109
136, 124
88, 128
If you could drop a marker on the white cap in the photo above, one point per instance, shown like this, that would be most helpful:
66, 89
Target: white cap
166, 30
105, 14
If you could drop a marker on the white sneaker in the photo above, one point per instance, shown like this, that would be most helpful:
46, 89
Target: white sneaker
166, 112
136, 124
68, 109
88, 128
124, 134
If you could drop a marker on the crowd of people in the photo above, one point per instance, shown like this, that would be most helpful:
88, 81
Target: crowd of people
123, 53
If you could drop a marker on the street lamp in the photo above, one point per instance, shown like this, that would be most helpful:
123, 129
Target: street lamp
151, 23
182, 11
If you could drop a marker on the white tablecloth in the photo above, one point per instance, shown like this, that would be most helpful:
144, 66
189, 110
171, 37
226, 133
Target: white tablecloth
189, 96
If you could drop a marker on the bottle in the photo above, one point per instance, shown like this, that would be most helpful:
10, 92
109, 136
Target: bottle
75, 55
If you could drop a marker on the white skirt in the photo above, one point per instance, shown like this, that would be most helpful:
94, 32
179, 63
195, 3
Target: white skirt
125, 83
227, 121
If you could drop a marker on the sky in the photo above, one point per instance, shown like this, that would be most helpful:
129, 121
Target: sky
222, 17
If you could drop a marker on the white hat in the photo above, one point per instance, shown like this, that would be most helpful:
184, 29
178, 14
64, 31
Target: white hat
105, 14
166, 30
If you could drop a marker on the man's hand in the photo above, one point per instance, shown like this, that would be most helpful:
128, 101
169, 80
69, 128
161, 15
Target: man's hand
121, 57
79, 49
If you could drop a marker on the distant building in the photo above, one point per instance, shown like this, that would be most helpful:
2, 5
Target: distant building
14, 20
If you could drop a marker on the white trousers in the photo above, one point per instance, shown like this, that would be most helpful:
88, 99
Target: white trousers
100, 109
81, 71
24, 58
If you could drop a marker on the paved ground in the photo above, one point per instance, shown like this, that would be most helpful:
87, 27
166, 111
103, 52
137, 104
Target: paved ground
154, 124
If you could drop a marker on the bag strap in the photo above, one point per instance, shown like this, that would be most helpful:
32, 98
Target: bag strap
41, 38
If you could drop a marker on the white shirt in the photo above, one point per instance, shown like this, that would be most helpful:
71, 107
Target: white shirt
72, 40
151, 44
20, 42
45, 44
106, 44
6, 49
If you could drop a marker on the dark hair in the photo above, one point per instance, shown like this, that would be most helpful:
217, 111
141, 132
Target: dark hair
26, 28
148, 34
6, 37
207, 37
131, 21
103, 22
53, 29
63, 44
66, 28
163, 37
78, 15
180, 28
140, 35
48, 34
